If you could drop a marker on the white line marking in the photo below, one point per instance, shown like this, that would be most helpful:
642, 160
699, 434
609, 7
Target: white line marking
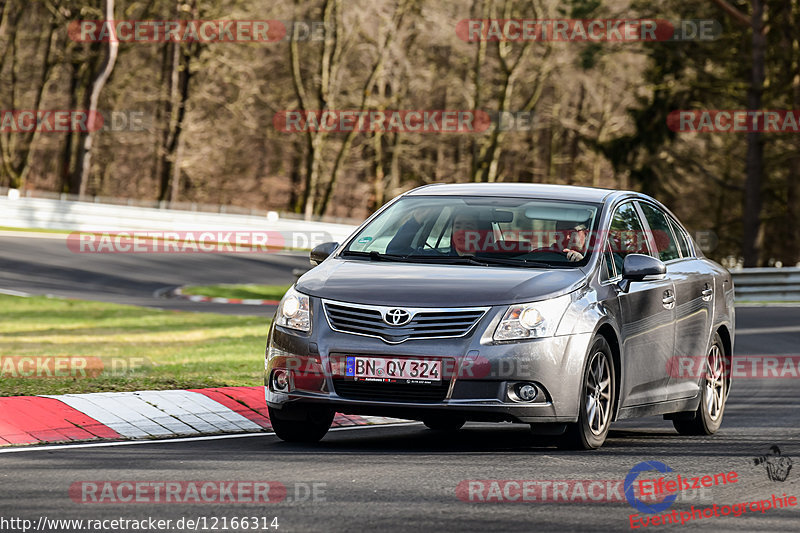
180, 439
14, 293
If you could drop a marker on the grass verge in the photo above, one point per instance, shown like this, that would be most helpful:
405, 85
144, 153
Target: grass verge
245, 292
140, 348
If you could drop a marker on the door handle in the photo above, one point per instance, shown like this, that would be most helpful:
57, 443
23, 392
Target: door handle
668, 300
707, 293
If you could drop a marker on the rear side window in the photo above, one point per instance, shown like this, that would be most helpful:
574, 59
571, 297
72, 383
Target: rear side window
662, 234
626, 235
683, 239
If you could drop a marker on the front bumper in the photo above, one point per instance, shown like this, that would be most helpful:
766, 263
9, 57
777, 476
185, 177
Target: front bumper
481, 373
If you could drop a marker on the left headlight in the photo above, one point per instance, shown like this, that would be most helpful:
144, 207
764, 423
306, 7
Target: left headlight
293, 311
532, 320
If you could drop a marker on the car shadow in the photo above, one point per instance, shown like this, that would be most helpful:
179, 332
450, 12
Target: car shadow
473, 438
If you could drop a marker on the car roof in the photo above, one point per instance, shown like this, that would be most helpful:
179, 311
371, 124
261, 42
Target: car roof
522, 190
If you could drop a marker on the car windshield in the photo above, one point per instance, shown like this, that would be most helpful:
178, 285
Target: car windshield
480, 231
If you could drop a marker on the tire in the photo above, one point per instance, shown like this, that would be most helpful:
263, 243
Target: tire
708, 417
444, 423
301, 424
598, 386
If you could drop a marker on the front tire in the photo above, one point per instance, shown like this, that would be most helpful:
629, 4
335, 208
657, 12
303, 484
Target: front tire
597, 400
708, 417
301, 424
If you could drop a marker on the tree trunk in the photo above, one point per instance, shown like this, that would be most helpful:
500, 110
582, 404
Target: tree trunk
97, 87
751, 242
792, 43
163, 118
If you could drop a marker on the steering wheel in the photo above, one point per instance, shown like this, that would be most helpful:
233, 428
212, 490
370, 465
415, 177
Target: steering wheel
548, 250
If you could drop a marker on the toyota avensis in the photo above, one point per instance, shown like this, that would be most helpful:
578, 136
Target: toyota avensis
565, 308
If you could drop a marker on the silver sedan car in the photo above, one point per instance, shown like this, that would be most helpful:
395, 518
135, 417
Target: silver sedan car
565, 308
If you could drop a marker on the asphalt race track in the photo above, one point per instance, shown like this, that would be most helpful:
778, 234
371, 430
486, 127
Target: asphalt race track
398, 478
42, 264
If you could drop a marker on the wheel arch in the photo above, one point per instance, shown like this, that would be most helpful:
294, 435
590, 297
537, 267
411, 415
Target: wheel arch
607, 331
727, 345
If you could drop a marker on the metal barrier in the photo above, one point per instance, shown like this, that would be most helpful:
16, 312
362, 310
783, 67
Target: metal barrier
767, 284
44, 213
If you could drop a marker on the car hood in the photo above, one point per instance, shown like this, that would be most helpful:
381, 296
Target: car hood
428, 285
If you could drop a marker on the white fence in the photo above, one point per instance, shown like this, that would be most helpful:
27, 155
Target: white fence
41, 213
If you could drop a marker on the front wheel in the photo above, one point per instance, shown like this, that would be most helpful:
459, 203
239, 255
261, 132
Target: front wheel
301, 424
597, 401
708, 417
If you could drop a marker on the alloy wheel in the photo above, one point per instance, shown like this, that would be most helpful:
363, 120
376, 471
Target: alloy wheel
598, 393
715, 382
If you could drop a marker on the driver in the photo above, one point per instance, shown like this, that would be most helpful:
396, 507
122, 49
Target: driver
576, 246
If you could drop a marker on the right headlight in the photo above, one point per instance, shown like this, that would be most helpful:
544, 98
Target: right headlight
294, 311
532, 320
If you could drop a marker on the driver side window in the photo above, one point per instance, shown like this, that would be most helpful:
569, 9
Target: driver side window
626, 235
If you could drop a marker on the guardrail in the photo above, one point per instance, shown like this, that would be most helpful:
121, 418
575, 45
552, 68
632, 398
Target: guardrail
42, 213
767, 284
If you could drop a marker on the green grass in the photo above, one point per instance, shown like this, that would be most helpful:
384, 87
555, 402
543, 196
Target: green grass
178, 350
254, 292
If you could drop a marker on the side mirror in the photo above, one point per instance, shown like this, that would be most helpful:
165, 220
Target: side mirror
640, 267
321, 252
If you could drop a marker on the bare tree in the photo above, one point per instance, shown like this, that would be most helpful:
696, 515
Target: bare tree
85, 156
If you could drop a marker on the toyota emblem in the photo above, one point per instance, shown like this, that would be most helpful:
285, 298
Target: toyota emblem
397, 317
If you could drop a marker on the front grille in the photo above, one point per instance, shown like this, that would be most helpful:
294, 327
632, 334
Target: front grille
390, 392
426, 323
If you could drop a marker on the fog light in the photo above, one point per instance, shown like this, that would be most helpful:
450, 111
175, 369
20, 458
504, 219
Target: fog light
280, 380
526, 392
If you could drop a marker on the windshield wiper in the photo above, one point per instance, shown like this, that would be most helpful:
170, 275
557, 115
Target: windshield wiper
482, 261
510, 262
375, 256
447, 259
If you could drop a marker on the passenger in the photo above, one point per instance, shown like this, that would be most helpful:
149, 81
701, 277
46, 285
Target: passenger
464, 236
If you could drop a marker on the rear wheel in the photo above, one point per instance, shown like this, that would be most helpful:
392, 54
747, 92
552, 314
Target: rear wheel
708, 417
301, 424
597, 400
444, 423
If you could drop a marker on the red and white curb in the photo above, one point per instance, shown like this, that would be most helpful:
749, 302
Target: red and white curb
142, 415
178, 293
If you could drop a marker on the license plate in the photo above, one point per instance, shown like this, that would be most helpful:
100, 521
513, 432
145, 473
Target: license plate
382, 369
